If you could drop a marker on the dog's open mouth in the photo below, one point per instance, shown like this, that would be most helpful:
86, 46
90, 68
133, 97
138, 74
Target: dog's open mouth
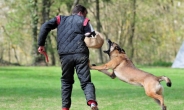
109, 43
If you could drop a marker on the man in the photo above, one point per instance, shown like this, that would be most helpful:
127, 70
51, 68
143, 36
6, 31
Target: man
73, 52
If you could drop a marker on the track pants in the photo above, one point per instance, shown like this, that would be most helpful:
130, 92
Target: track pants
70, 63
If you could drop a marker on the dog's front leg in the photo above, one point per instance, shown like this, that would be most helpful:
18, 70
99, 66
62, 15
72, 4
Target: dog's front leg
111, 74
109, 65
105, 67
101, 67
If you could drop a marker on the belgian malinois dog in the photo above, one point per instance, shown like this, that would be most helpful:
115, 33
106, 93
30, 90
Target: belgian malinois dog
123, 68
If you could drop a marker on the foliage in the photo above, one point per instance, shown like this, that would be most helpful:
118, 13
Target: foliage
161, 63
158, 28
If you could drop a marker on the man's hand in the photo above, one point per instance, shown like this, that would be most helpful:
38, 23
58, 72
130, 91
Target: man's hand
41, 50
90, 34
93, 33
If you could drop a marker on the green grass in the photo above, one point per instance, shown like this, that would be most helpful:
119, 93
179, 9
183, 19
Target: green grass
38, 88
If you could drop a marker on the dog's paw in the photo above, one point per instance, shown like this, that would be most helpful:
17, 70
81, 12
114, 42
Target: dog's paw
93, 64
113, 76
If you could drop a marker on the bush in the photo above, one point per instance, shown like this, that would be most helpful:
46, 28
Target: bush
161, 63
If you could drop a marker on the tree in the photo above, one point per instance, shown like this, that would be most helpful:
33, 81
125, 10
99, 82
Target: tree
46, 4
75, 2
34, 19
98, 27
132, 34
145, 29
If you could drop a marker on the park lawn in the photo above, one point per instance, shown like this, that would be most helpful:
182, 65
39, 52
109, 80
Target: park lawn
38, 88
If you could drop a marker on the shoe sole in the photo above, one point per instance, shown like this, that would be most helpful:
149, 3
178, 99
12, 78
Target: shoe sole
94, 108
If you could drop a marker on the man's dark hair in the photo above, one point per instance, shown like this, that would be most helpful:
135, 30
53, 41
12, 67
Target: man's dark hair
78, 8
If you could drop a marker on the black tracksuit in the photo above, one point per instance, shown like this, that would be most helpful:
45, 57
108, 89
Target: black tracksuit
73, 52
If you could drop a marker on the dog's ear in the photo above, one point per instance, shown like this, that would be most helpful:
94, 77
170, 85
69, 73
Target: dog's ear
118, 48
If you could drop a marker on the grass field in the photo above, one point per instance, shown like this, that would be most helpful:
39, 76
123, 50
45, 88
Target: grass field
38, 88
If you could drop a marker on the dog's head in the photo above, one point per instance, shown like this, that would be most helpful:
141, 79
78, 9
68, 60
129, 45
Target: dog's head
113, 47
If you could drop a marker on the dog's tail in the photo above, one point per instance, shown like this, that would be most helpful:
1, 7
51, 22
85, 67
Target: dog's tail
164, 78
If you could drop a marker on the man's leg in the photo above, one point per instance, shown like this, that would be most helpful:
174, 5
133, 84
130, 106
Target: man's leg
67, 80
83, 72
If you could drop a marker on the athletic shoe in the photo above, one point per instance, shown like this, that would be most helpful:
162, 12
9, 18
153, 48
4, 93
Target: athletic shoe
94, 106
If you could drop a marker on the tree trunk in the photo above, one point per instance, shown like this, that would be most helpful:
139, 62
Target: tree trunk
45, 14
9, 45
132, 30
15, 55
75, 2
34, 17
99, 28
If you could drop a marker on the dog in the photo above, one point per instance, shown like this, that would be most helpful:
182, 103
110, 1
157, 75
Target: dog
123, 68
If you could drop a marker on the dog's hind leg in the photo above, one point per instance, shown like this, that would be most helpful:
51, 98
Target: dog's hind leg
160, 93
157, 101
157, 96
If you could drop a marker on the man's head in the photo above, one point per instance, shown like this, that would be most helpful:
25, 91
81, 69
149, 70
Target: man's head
80, 10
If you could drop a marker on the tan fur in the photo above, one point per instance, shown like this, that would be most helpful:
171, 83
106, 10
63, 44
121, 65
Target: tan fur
124, 69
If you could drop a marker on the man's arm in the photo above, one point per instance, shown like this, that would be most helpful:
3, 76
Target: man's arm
45, 29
